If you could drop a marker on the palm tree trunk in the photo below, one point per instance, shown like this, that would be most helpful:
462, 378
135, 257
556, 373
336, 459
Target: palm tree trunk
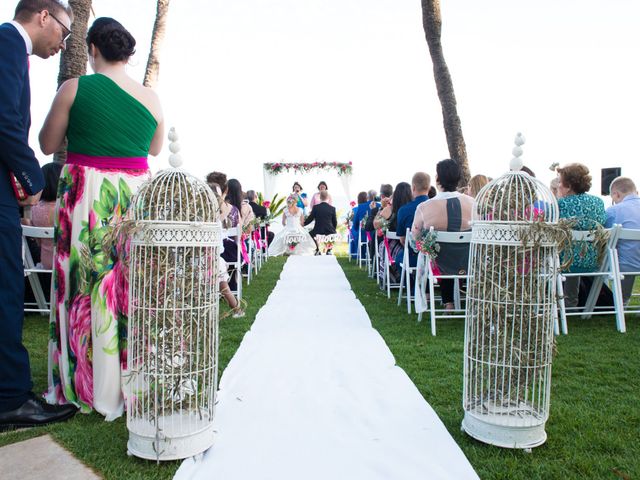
159, 27
73, 60
432, 23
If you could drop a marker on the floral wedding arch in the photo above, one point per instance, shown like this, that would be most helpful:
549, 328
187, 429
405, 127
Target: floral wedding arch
271, 171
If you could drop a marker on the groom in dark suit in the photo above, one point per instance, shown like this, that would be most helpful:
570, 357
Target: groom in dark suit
40, 27
325, 218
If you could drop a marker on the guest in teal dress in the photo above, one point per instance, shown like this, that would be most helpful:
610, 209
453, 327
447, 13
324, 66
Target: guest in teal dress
574, 202
302, 197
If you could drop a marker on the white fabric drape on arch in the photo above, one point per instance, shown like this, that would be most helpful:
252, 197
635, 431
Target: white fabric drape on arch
271, 182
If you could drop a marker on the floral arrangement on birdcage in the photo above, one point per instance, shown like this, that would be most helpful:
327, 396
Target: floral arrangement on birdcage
341, 168
170, 380
292, 244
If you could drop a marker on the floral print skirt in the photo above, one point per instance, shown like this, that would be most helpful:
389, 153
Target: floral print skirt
88, 323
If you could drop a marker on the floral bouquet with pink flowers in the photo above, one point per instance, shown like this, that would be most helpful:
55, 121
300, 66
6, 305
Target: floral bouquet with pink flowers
427, 243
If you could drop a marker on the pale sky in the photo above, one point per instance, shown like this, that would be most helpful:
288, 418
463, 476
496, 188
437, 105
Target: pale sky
252, 81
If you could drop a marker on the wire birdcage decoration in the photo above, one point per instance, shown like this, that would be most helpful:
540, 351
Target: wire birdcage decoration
172, 348
510, 310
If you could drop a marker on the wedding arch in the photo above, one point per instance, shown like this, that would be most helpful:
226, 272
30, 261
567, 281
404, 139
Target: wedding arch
272, 172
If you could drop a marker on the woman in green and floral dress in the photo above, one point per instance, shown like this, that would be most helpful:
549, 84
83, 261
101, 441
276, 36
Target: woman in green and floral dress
575, 203
111, 123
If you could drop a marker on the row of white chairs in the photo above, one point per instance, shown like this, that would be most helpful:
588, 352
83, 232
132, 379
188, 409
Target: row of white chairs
608, 273
256, 248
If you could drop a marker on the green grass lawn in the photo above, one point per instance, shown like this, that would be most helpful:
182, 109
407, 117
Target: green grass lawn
103, 445
594, 428
594, 425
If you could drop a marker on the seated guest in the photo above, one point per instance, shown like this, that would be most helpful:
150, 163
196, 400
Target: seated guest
475, 185
574, 182
217, 181
448, 211
420, 184
386, 191
322, 186
43, 213
625, 211
259, 211
359, 212
389, 215
324, 216
553, 186
230, 218
236, 198
432, 192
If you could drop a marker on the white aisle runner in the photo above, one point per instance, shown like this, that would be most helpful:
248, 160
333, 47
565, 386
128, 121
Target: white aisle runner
313, 393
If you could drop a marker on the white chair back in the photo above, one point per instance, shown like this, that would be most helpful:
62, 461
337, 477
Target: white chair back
31, 271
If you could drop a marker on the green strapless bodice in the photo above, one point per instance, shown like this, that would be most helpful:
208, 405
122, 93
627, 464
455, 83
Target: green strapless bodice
106, 121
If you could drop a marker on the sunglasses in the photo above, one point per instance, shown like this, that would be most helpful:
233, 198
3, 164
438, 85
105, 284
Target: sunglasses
65, 36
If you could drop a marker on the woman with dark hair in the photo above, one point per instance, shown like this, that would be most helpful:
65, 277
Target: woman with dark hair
43, 213
386, 220
112, 123
588, 211
448, 211
236, 198
316, 196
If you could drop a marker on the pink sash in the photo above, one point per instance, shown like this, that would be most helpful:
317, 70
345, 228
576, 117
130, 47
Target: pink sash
116, 163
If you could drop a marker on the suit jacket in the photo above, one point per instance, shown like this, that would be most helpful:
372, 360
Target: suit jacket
258, 210
15, 119
325, 218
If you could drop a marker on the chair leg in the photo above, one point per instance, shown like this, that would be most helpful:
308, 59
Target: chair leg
401, 286
432, 304
617, 294
563, 313
409, 296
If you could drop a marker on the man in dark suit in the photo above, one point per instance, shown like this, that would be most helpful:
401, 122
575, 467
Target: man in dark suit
260, 212
325, 217
40, 27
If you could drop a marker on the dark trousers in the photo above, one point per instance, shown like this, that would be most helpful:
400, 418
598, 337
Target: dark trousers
15, 373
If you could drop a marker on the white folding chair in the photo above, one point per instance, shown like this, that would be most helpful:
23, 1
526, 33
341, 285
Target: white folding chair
236, 234
373, 263
406, 271
428, 276
363, 257
388, 261
626, 235
32, 271
605, 272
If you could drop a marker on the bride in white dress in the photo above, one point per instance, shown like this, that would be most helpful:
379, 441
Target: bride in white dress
293, 239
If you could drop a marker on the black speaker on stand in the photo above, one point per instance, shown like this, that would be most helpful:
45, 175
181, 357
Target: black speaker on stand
608, 175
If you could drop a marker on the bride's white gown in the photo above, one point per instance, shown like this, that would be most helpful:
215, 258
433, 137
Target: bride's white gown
293, 232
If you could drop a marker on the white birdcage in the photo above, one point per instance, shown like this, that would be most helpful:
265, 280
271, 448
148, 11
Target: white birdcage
510, 310
172, 349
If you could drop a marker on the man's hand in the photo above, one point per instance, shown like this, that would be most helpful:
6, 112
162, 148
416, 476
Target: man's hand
30, 200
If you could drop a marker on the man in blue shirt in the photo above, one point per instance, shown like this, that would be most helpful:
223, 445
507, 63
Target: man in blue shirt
625, 211
420, 184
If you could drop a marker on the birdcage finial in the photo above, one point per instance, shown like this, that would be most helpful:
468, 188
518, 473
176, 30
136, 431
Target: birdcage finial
516, 162
175, 159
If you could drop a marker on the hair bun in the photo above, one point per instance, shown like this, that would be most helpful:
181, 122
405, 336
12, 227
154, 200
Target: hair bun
115, 43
